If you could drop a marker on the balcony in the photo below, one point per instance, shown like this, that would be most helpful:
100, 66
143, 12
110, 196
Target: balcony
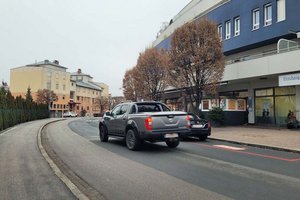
270, 63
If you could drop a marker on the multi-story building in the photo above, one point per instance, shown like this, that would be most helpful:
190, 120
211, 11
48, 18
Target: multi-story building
75, 92
43, 75
261, 44
86, 93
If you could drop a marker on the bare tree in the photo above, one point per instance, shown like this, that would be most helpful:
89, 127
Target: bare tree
102, 103
197, 59
151, 73
130, 86
45, 96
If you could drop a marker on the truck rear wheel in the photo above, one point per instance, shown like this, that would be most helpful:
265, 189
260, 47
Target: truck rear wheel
172, 143
202, 137
132, 141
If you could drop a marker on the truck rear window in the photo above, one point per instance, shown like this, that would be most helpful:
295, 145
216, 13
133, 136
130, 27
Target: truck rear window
152, 108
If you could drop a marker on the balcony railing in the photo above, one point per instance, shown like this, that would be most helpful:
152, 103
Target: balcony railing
263, 54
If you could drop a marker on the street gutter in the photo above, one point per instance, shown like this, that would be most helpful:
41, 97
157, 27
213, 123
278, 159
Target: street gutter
257, 145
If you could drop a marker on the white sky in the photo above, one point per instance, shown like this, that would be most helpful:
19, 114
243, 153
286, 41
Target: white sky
102, 37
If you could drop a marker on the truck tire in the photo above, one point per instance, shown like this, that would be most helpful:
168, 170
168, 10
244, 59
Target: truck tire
172, 143
132, 140
103, 134
202, 137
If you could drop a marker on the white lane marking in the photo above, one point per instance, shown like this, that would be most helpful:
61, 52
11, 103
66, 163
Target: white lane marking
230, 147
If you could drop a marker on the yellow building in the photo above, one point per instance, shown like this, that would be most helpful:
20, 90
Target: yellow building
86, 93
43, 75
76, 92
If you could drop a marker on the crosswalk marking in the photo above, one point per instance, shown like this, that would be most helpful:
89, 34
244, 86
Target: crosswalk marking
230, 147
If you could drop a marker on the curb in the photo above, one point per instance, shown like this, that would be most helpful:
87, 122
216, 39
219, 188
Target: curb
72, 187
257, 145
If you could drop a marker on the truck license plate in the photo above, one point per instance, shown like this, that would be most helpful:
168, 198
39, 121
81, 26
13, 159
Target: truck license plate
171, 135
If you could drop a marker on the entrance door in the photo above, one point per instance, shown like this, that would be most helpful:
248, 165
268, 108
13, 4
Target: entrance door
264, 111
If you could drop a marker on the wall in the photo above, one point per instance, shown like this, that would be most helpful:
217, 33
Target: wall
248, 38
21, 79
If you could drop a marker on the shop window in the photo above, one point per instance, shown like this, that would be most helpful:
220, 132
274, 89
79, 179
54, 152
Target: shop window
281, 111
273, 107
264, 92
285, 90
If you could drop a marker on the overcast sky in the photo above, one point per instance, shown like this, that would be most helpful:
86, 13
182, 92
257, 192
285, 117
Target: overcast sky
102, 37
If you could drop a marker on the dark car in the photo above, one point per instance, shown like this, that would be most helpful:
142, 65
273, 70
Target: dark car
200, 128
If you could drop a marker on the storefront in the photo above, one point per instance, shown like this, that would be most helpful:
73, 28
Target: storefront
273, 104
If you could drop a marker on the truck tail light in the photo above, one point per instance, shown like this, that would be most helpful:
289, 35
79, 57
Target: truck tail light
189, 121
148, 123
208, 125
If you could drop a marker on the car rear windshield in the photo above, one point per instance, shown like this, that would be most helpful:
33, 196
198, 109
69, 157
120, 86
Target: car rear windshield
155, 107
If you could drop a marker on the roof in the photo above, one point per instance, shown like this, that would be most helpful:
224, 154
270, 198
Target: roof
88, 85
80, 74
47, 62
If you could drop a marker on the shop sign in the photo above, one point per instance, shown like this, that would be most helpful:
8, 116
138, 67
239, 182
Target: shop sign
289, 79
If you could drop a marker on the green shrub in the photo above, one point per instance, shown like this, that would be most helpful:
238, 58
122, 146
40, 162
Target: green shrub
217, 116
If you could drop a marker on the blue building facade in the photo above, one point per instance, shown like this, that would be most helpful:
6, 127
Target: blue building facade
252, 32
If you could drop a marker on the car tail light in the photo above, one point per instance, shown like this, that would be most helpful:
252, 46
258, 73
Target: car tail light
208, 125
148, 123
189, 121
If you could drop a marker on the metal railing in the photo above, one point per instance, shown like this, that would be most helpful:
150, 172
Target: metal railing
262, 54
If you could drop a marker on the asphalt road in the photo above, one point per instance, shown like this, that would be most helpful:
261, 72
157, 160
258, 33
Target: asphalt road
194, 170
24, 172
230, 170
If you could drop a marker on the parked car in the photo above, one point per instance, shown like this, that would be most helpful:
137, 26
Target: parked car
144, 121
69, 114
200, 128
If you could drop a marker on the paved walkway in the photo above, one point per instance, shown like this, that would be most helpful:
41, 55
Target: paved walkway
282, 139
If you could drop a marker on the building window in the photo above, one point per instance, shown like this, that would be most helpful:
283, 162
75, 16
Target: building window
220, 32
63, 97
228, 30
280, 10
72, 84
268, 14
56, 75
64, 87
255, 16
57, 86
237, 26
88, 108
77, 107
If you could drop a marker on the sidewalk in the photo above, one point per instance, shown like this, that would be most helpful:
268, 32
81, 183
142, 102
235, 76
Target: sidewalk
280, 139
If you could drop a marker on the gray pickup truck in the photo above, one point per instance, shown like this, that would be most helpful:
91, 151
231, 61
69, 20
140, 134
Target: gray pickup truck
137, 122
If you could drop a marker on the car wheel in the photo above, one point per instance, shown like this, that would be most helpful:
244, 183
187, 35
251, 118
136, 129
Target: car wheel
103, 134
202, 137
132, 140
172, 143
